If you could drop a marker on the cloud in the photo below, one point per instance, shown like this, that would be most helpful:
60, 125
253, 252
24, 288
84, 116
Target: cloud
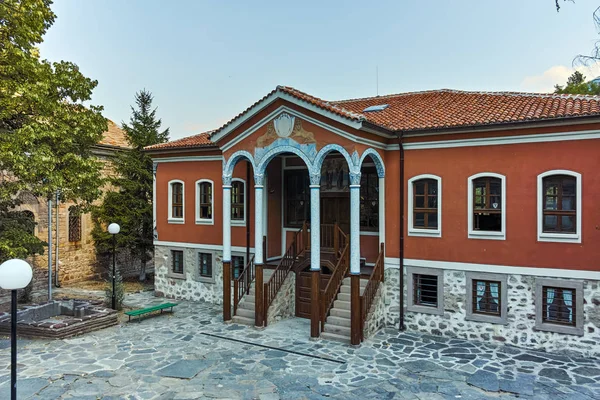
557, 74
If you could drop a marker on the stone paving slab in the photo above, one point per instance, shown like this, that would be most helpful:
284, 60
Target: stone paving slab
193, 354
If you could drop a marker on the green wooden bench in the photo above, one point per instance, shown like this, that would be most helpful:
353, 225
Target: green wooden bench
148, 310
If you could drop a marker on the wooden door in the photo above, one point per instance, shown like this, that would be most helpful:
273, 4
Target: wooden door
336, 209
303, 292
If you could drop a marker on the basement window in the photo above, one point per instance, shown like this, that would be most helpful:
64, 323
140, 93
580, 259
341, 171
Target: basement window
425, 290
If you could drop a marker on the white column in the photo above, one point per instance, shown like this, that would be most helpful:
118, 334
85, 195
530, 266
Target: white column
315, 222
226, 219
381, 210
355, 222
258, 219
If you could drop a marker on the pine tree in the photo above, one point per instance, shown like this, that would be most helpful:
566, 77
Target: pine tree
576, 84
131, 205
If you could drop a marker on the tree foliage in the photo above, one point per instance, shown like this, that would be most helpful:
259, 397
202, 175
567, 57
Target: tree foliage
131, 205
46, 131
576, 84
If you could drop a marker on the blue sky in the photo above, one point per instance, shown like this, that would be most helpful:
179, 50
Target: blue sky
205, 61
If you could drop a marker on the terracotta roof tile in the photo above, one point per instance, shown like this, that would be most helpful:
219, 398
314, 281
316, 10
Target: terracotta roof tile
435, 109
199, 140
447, 108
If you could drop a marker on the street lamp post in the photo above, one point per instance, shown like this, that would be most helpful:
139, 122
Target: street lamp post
14, 274
113, 229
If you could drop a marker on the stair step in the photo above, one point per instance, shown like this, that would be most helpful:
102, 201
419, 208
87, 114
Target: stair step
243, 320
334, 337
344, 296
363, 282
249, 297
338, 312
338, 321
247, 305
342, 305
242, 312
338, 330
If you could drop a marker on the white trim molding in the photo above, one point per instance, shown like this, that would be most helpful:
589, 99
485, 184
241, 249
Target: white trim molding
201, 246
171, 219
238, 222
394, 262
504, 140
558, 237
412, 231
187, 158
211, 220
474, 234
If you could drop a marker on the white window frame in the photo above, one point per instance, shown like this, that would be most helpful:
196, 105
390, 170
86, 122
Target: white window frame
492, 235
240, 222
205, 221
171, 219
412, 231
558, 237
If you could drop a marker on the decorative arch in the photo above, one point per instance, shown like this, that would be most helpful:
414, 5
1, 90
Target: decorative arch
271, 154
352, 167
376, 157
233, 160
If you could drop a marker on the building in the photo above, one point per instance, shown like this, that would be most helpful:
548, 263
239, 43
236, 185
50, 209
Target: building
76, 250
294, 208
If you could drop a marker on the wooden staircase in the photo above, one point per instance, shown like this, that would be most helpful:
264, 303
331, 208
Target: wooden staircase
337, 324
245, 309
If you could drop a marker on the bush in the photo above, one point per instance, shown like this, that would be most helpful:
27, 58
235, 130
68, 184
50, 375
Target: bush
119, 289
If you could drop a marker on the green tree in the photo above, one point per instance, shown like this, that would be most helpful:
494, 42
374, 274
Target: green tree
46, 132
131, 205
576, 84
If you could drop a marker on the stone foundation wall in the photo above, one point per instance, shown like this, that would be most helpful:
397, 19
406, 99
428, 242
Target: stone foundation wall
284, 304
190, 286
376, 317
520, 327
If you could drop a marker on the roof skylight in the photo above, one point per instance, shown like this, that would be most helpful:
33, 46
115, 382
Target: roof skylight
379, 107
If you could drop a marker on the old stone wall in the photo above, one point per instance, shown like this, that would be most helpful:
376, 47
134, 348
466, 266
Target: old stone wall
376, 318
190, 286
519, 329
284, 304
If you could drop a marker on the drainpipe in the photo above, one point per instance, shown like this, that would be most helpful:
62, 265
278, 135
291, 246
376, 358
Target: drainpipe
401, 261
56, 281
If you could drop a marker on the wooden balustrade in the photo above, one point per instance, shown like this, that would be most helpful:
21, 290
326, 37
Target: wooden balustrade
296, 248
241, 285
330, 292
366, 299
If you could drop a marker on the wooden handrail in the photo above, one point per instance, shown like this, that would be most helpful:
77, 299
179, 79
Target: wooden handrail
241, 285
272, 286
335, 282
366, 299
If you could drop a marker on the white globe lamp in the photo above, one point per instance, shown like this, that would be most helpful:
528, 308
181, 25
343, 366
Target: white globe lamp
114, 228
15, 274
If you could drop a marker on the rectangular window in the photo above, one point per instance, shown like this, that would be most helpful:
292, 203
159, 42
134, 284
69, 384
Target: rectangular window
425, 290
238, 196
425, 204
486, 297
558, 305
177, 200
205, 264
296, 197
487, 204
74, 226
238, 264
560, 199
369, 200
177, 261
205, 200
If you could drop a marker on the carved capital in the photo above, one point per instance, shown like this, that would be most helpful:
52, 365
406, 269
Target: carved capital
154, 168
315, 178
226, 180
355, 178
259, 179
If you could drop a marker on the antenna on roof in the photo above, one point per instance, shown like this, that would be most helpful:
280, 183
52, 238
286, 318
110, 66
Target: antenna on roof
377, 79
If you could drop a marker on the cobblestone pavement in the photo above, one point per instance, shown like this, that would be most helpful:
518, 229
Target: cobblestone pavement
192, 354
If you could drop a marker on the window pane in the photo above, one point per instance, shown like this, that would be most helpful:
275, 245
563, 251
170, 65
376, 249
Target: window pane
419, 187
568, 203
432, 187
495, 186
487, 222
419, 219
551, 203
432, 220
432, 201
568, 223
558, 305
568, 186
237, 265
420, 201
550, 222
